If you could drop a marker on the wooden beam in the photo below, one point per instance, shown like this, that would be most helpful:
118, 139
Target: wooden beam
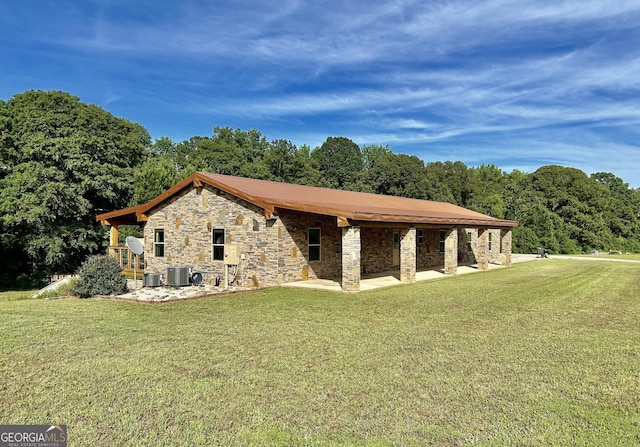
343, 222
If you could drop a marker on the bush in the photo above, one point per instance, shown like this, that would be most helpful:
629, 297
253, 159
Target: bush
100, 275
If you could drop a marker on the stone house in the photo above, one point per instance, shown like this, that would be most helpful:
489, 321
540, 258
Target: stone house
267, 233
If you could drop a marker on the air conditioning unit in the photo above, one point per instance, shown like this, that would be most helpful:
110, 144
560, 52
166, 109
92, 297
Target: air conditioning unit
178, 276
151, 280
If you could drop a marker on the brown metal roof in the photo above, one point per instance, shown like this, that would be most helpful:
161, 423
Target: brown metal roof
347, 206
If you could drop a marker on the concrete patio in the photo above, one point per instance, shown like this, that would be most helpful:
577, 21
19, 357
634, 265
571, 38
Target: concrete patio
392, 277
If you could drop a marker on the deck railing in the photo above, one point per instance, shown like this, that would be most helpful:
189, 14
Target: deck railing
125, 257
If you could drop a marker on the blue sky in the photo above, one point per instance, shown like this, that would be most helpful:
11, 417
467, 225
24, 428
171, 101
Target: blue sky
519, 84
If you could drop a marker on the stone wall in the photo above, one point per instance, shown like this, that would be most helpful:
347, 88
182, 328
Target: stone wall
188, 219
274, 251
376, 249
294, 246
428, 252
351, 244
470, 256
408, 255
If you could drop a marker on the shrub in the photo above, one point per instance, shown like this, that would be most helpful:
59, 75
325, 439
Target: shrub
100, 275
70, 288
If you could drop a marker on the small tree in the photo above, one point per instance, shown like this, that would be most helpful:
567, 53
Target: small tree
100, 275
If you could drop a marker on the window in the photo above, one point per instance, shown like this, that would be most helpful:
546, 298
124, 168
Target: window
420, 235
443, 236
158, 243
490, 237
217, 240
469, 239
314, 244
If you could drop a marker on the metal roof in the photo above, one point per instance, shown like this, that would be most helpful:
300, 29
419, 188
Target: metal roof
348, 207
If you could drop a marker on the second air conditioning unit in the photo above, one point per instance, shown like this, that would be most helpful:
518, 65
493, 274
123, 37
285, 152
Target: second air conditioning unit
178, 276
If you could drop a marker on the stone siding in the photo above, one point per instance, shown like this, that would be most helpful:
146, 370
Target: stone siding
471, 256
408, 255
377, 250
188, 219
428, 252
274, 251
351, 250
294, 246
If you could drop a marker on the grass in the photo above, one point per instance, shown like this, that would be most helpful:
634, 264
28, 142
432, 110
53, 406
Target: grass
544, 353
624, 256
15, 295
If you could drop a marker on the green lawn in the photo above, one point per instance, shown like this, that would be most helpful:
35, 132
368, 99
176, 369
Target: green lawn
544, 353
624, 256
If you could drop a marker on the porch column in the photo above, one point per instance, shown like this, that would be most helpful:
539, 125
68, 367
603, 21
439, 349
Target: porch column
483, 245
505, 241
351, 259
408, 255
113, 236
451, 251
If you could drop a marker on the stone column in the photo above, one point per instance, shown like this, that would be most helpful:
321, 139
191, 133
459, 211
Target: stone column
451, 252
408, 255
483, 249
505, 240
351, 259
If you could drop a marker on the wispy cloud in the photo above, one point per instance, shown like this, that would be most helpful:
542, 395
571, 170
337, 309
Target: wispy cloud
523, 83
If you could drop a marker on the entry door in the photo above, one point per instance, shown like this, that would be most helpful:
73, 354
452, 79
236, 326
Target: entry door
396, 247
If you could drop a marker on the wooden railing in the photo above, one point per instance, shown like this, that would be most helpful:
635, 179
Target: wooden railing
124, 256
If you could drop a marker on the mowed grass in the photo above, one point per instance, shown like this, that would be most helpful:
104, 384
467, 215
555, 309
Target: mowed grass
544, 353
623, 257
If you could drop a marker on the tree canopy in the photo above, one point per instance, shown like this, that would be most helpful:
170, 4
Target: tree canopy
63, 161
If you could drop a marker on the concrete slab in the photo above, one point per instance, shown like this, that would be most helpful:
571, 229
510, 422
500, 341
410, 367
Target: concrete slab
384, 279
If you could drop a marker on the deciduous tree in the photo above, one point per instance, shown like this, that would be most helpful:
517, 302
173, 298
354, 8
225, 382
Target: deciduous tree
63, 162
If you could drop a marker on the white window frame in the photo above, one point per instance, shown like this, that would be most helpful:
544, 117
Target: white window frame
215, 244
158, 244
313, 245
443, 238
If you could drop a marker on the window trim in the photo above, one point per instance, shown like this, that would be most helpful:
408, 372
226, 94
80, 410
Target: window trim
158, 244
420, 236
489, 241
310, 245
441, 242
215, 245
469, 239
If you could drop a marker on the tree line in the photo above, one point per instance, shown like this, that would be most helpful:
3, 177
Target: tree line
63, 161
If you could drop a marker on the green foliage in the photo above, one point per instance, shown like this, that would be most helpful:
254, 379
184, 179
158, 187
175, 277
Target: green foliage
372, 153
100, 275
399, 175
63, 162
340, 161
447, 182
129, 230
560, 209
155, 176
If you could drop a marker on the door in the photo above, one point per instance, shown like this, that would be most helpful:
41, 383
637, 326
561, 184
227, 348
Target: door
396, 247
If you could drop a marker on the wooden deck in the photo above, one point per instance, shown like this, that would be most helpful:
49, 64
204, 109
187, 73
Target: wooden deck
125, 257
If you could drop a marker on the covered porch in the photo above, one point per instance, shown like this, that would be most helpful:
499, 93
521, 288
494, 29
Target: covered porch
418, 251
390, 278
121, 253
